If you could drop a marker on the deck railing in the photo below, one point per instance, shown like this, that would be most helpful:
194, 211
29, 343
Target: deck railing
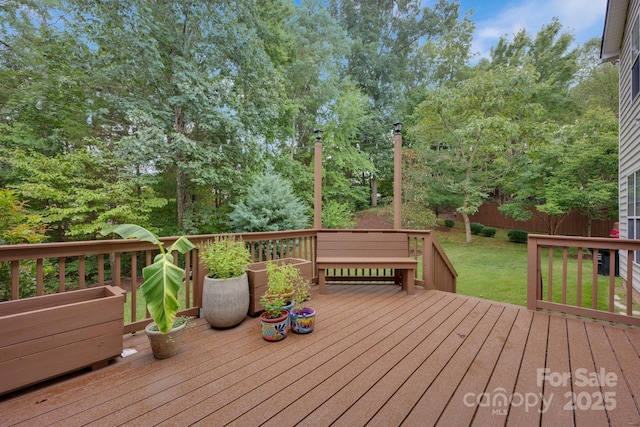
576, 275
59, 267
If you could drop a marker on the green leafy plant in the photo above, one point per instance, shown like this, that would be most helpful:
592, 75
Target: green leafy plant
449, 223
280, 278
337, 215
302, 293
488, 231
518, 236
163, 278
225, 257
272, 305
476, 227
415, 216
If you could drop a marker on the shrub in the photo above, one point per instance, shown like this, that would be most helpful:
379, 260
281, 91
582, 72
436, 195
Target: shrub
476, 227
225, 257
415, 216
517, 236
488, 231
270, 205
337, 215
449, 223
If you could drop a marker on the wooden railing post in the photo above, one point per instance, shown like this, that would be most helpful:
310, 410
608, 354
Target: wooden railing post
427, 261
532, 273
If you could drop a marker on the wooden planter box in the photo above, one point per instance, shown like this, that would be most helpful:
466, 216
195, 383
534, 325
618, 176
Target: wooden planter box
46, 336
257, 273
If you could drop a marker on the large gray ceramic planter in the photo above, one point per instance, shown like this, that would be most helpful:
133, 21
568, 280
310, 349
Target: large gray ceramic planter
225, 302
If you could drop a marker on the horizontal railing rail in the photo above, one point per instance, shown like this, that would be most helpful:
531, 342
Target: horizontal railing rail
577, 276
60, 267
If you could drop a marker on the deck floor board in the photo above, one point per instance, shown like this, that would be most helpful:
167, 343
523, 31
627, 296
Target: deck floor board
377, 357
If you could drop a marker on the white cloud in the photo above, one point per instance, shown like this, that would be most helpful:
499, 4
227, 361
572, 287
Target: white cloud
582, 18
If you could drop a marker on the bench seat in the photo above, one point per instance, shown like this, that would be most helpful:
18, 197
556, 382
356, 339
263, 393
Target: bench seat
353, 250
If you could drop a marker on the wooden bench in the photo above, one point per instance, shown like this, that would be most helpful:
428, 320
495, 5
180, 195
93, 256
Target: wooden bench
366, 250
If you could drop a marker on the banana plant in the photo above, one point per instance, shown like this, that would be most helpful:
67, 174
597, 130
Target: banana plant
163, 278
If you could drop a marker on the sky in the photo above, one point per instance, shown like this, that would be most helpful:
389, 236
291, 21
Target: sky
494, 18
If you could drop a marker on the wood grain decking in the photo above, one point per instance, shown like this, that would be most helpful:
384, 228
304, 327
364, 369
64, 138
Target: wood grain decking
378, 357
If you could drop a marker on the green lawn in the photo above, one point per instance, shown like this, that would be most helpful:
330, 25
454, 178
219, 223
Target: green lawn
496, 269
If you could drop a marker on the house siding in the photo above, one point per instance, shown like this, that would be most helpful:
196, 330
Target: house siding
629, 137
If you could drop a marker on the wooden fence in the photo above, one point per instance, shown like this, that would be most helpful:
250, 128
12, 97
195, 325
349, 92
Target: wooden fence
575, 224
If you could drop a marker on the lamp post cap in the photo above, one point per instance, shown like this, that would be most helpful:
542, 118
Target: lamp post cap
318, 133
397, 127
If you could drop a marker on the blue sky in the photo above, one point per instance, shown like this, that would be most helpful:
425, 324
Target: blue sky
494, 18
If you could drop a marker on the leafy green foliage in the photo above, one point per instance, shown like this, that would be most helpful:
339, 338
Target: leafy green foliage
449, 223
474, 131
273, 305
84, 190
488, 231
476, 227
518, 236
417, 217
270, 205
555, 62
337, 215
281, 278
163, 278
576, 171
160, 114
225, 257
17, 225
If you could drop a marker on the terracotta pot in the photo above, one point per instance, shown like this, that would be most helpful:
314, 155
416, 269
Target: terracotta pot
303, 321
165, 345
225, 302
274, 329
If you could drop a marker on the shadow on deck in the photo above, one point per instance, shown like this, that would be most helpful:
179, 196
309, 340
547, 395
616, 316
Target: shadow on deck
377, 357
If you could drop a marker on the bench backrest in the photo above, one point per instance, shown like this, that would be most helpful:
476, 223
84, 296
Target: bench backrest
358, 244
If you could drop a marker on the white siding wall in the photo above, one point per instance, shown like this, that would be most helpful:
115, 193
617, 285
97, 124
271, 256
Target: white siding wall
629, 133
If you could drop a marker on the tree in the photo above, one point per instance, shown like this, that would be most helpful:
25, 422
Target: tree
83, 191
553, 59
576, 171
473, 131
597, 84
345, 165
387, 36
195, 81
313, 75
17, 225
270, 205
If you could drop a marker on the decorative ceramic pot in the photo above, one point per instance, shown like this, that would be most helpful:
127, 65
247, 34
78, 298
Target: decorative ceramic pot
165, 345
288, 307
302, 321
274, 329
225, 302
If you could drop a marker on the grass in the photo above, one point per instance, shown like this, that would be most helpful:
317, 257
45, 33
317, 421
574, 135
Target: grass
496, 269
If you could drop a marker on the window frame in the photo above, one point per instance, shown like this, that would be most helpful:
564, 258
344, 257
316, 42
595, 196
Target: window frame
633, 210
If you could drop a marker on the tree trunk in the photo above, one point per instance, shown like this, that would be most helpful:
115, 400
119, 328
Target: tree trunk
181, 191
374, 191
467, 226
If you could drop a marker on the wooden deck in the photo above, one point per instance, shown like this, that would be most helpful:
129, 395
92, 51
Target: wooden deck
377, 357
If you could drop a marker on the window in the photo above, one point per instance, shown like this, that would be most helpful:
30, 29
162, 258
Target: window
635, 61
633, 210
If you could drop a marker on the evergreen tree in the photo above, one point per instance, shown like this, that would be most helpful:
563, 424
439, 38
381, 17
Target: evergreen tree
270, 205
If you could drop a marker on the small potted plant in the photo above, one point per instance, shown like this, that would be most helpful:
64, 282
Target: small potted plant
162, 280
275, 319
225, 291
280, 279
301, 317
